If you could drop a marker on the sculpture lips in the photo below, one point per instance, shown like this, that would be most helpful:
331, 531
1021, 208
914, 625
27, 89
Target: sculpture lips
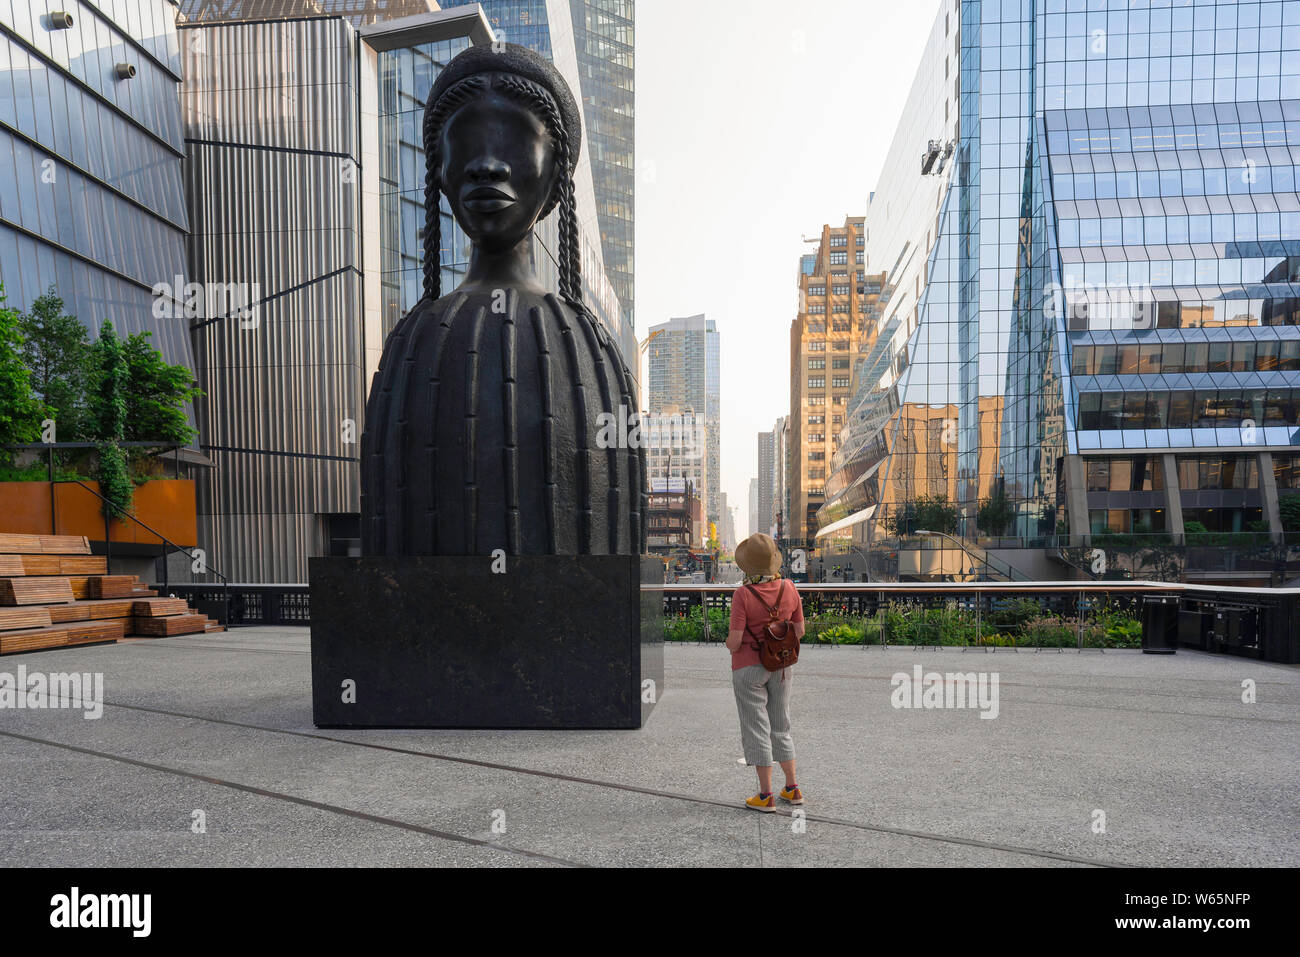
487, 199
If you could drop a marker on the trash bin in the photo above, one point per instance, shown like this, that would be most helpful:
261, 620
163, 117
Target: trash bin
1159, 625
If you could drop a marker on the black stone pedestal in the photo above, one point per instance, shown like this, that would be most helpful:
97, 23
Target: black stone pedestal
541, 641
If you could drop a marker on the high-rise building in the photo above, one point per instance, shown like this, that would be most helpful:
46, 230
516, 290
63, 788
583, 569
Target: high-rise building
306, 177
760, 519
838, 312
753, 523
92, 199
1095, 226
676, 445
600, 35
685, 379
780, 486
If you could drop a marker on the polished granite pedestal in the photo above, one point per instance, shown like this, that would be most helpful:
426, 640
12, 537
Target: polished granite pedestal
542, 641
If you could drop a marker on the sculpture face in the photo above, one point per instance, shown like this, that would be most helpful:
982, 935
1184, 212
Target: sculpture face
498, 169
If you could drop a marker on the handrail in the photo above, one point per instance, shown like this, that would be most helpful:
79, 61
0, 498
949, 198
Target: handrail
1010, 572
108, 542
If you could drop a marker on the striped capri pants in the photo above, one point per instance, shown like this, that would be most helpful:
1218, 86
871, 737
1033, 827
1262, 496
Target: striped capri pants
763, 702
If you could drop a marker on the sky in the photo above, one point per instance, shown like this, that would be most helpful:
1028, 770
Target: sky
756, 122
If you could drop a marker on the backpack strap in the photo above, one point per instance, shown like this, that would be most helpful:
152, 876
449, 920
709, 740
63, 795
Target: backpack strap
772, 612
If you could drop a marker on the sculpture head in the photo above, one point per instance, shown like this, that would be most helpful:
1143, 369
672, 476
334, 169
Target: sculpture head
502, 133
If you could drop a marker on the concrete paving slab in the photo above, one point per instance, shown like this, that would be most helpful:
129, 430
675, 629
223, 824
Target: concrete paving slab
1183, 770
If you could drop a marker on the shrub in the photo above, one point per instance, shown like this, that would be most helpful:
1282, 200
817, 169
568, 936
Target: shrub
840, 635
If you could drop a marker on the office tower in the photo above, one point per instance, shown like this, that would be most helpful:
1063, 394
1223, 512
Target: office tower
838, 310
599, 36
1095, 217
753, 523
760, 519
780, 481
92, 201
685, 379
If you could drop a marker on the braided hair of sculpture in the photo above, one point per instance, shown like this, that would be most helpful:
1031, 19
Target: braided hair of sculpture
538, 99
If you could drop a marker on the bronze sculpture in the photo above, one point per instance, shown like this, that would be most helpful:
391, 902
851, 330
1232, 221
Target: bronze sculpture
482, 423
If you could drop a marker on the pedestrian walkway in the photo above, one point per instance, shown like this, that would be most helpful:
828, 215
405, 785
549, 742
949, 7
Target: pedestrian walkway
205, 754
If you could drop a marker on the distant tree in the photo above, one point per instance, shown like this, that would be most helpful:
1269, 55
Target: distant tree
107, 402
995, 513
1289, 509
156, 394
57, 351
930, 513
21, 410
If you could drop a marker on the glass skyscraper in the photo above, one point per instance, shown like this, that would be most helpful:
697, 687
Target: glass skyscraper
1092, 326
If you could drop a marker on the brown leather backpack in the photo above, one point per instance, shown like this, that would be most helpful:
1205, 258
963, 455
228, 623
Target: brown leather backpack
778, 645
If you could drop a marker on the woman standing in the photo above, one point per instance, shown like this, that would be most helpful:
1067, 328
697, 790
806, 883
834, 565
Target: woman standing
762, 696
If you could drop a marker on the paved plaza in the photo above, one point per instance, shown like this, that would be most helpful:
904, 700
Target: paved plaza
205, 754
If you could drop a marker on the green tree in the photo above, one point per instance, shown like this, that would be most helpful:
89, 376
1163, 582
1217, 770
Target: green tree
930, 513
107, 402
1288, 507
156, 395
57, 351
21, 411
995, 513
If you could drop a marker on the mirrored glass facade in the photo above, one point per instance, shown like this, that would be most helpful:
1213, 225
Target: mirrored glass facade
1114, 275
91, 195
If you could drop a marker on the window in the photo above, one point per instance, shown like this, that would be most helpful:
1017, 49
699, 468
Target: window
818, 346
816, 456
861, 240
817, 436
839, 364
837, 419
860, 257
839, 382
816, 290
817, 382
839, 240
816, 363
1140, 474
817, 308
839, 259
816, 400
839, 290
1218, 472
817, 419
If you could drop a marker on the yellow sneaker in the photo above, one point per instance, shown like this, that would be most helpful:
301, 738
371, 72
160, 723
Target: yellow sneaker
792, 795
760, 803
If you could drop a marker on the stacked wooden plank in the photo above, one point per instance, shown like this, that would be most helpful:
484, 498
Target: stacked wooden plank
54, 593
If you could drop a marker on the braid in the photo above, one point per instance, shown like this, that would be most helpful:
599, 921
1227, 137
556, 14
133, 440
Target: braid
448, 103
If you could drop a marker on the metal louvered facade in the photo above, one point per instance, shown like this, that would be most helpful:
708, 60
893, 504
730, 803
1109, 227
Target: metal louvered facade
273, 133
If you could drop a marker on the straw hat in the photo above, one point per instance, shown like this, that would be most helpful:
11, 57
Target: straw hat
758, 555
